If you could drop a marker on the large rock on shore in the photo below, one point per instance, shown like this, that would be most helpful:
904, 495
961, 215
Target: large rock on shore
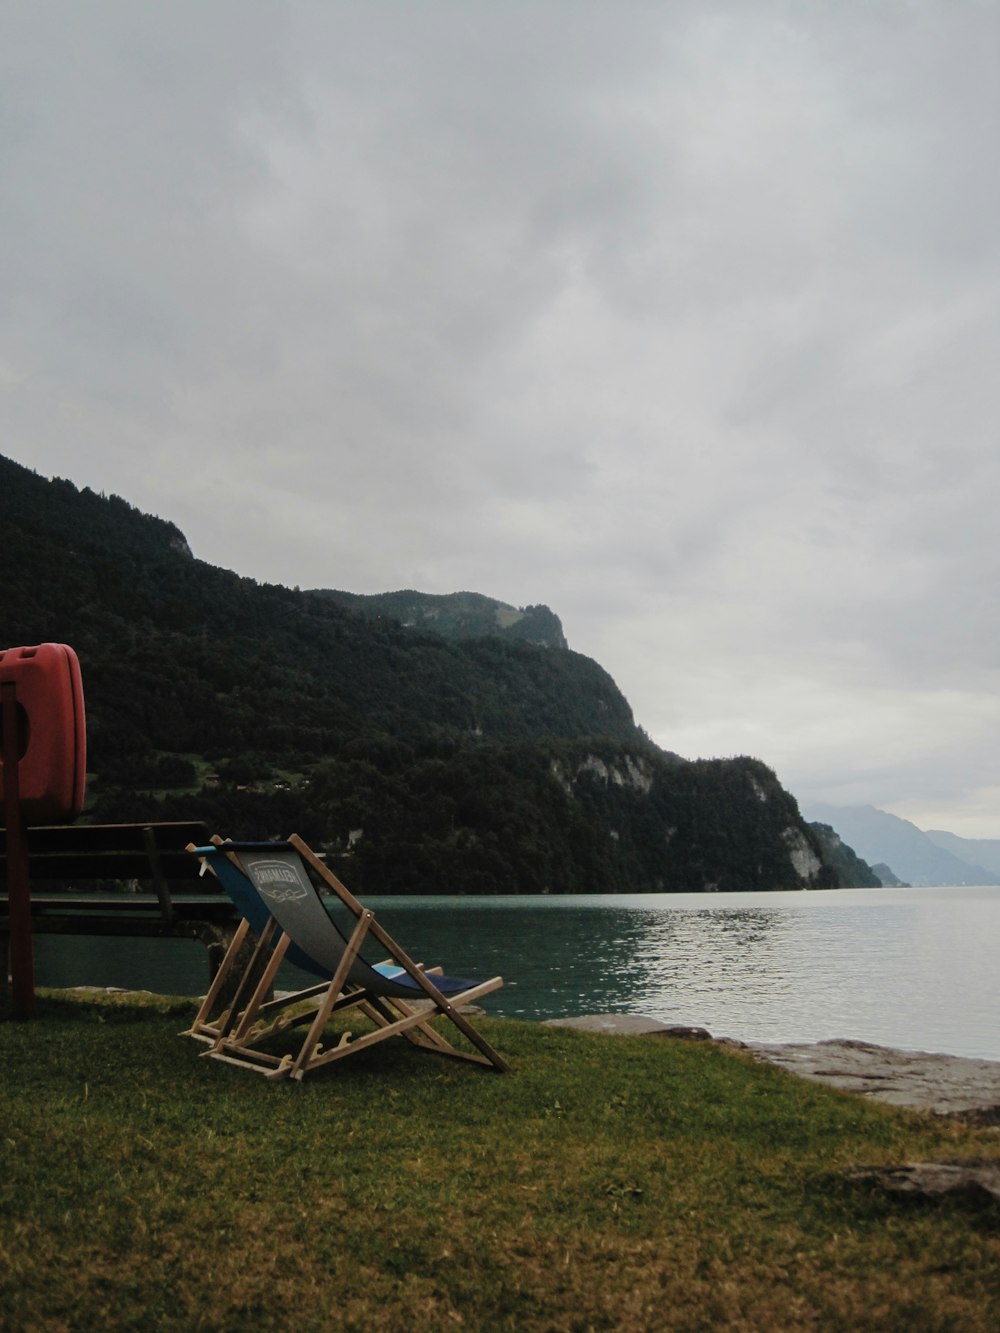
973, 1180
949, 1085
944, 1084
628, 1025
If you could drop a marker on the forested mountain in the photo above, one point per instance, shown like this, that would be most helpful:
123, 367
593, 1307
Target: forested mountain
849, 867
464, 764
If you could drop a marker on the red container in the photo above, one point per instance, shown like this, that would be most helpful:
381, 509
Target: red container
52, 731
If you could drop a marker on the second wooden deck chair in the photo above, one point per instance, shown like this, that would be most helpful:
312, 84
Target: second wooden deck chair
258, 934
279, 880
248, 954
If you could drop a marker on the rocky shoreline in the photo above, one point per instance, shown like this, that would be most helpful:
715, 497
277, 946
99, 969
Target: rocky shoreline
947, 1085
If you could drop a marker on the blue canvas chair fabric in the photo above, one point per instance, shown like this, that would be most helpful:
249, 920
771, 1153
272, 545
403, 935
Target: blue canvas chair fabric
274, 886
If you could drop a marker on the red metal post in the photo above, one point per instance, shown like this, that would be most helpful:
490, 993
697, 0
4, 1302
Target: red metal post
22, 952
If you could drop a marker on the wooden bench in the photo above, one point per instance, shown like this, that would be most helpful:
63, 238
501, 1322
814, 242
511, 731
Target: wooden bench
67, 867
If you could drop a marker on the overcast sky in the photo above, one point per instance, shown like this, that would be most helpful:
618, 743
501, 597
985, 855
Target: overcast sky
679, 317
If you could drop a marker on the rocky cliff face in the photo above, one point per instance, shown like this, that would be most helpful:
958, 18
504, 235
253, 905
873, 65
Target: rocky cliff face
631, 771
805, 861
457, 615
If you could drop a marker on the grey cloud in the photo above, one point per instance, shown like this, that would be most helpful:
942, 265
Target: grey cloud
681, 318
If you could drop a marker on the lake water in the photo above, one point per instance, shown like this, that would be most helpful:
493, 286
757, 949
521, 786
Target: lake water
914, 968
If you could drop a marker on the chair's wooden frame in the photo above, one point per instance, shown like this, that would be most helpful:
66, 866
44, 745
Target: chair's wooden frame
246, 954
235, 1037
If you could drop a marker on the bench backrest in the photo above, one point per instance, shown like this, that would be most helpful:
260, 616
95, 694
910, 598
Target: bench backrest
77, 853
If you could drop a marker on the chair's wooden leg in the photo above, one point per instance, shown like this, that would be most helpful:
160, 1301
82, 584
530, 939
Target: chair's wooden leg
201, 1027
399, 1028
263, 989
423, 1035
248, 983
337, 983
445, 1005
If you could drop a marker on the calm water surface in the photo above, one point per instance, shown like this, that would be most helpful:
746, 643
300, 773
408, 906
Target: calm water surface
915, 968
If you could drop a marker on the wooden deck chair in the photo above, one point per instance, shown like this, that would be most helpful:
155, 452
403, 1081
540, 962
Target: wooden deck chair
248, 954
283, 876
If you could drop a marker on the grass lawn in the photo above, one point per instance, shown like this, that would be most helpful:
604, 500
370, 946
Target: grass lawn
607, 1183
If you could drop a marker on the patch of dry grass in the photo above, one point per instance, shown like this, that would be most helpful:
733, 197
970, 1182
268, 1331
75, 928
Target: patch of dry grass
608, 1183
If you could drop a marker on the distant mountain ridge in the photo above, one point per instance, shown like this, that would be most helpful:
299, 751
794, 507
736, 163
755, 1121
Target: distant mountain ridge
974, 851
914, 856
456, 615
